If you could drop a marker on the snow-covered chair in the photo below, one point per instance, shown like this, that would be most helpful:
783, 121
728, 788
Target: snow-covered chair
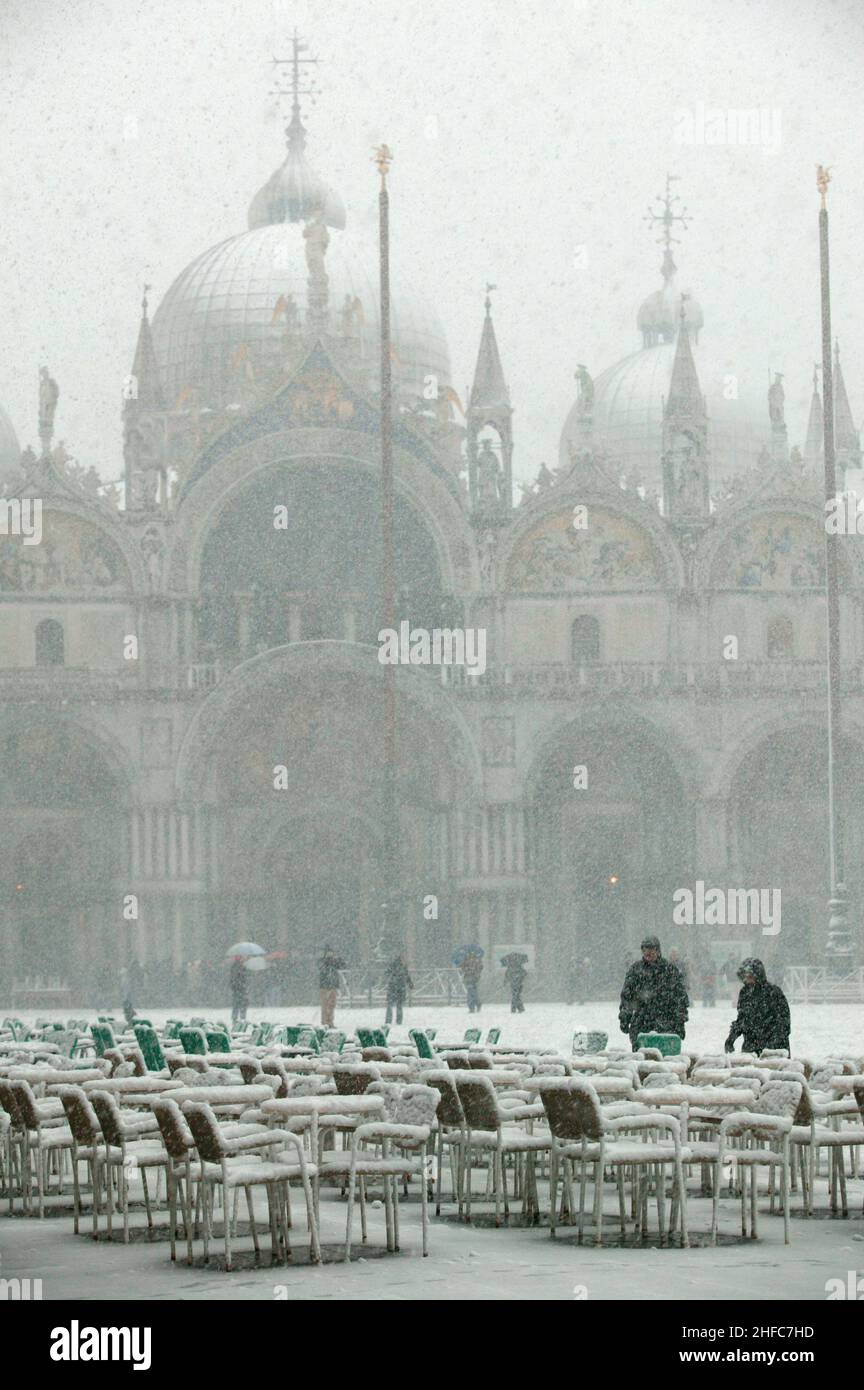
130, 1144
770, 1119
88, 1146
45, 1134
494, 1129
583, 1132
228, 1161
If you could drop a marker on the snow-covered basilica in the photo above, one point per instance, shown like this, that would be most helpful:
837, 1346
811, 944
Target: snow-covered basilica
174, 640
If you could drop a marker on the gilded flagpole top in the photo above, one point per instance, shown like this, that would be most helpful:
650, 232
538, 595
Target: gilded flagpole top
383, 157
823, 178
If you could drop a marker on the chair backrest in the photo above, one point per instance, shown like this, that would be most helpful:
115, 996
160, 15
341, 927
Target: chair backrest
493, 1036
390, 1091
572, 1109
108, 1112
193, 1040
479, 1102
472, 1035
273, 1066
151, 1048
83, 1120
136, 1057
450, 1110
858, 1093
205, 1131
176, 1134
781, 1099
9, 1102
355, 1080
421, 1041
217, 1040
103, 1037
25, 1100
417, 1105
250, 1069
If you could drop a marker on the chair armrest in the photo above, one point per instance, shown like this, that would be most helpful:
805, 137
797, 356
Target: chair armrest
653, 1120
741, 1121
262, 1139
412, 1134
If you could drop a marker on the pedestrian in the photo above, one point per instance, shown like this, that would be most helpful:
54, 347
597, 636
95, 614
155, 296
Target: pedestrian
239, 990
763, 1011
328, 984
471, 970
653, 999
515, 975
398, 984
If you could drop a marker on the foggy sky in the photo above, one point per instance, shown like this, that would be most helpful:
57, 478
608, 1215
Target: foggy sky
554, 130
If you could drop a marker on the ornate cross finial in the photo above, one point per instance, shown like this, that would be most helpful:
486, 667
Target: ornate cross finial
294, 130
823, 178
488, 301
147, 289
667, 216
383, 157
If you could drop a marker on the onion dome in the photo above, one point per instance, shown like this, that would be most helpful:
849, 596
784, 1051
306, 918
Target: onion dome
295, 191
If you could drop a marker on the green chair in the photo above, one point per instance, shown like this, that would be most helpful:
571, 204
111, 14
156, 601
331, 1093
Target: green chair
422, 1044
333, 1040
171, 1031
669, 1044
589, 1042
431, 1033
103, 1037
472, 1035
494, 1035
217, 1040
151, 1048
193, 1041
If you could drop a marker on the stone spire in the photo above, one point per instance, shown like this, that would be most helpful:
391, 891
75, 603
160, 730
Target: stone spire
685, 437
814, 443
489, 406
144, 438
777, 414
846, 438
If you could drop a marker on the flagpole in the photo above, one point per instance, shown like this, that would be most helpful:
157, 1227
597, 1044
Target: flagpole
839, 948
390, 866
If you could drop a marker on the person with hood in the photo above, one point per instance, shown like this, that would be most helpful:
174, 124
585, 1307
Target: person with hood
239, 990
398, 984
763, 1011
471, 969
515, 974
328, 984
654, 999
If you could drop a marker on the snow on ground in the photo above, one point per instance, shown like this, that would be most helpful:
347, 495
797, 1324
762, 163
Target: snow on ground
817, 1029
479, 1263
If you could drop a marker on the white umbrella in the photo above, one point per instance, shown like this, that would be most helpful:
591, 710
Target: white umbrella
246, 948
257, 963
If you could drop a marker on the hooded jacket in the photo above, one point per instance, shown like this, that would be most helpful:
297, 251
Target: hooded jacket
654, 998
763, 1013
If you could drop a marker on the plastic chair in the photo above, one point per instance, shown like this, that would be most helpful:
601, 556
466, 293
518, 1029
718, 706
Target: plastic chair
421, 1041
193, 1040
472, 1035
151, 1048
103, 1037
493, 1036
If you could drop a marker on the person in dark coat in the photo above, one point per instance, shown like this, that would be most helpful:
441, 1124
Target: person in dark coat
654, 999
515, 974
763, 1011
398, 984
239, 991
471, 969
328, 984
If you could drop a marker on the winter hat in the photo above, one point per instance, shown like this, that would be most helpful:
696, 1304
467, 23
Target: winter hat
651, 943
752, 966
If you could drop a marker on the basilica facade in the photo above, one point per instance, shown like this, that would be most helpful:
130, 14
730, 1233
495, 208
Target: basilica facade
190, 685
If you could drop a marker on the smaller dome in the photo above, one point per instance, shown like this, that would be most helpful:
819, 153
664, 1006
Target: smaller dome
660, 314
294, 192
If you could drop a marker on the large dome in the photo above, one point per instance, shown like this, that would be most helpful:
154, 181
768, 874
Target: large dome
628, 415
221, 318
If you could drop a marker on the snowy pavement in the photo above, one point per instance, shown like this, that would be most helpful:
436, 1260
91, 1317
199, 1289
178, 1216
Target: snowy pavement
818, 1030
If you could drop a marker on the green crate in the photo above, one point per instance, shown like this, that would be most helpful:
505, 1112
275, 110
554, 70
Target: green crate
669, 1044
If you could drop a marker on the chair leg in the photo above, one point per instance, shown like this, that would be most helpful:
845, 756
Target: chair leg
841, 1168
598, 1203
250, 1207
754, 1195
661, 1202
784, 1192
172, 1208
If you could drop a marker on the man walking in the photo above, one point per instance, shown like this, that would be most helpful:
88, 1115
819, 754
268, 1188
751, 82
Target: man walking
239, 991
398, 984
328, 983
654, 999
515, 974
763, 1011
471, 969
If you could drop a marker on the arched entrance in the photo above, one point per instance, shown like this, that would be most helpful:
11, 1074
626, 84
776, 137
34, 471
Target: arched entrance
610, 846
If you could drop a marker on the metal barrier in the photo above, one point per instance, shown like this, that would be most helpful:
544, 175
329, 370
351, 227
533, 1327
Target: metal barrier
366, 985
